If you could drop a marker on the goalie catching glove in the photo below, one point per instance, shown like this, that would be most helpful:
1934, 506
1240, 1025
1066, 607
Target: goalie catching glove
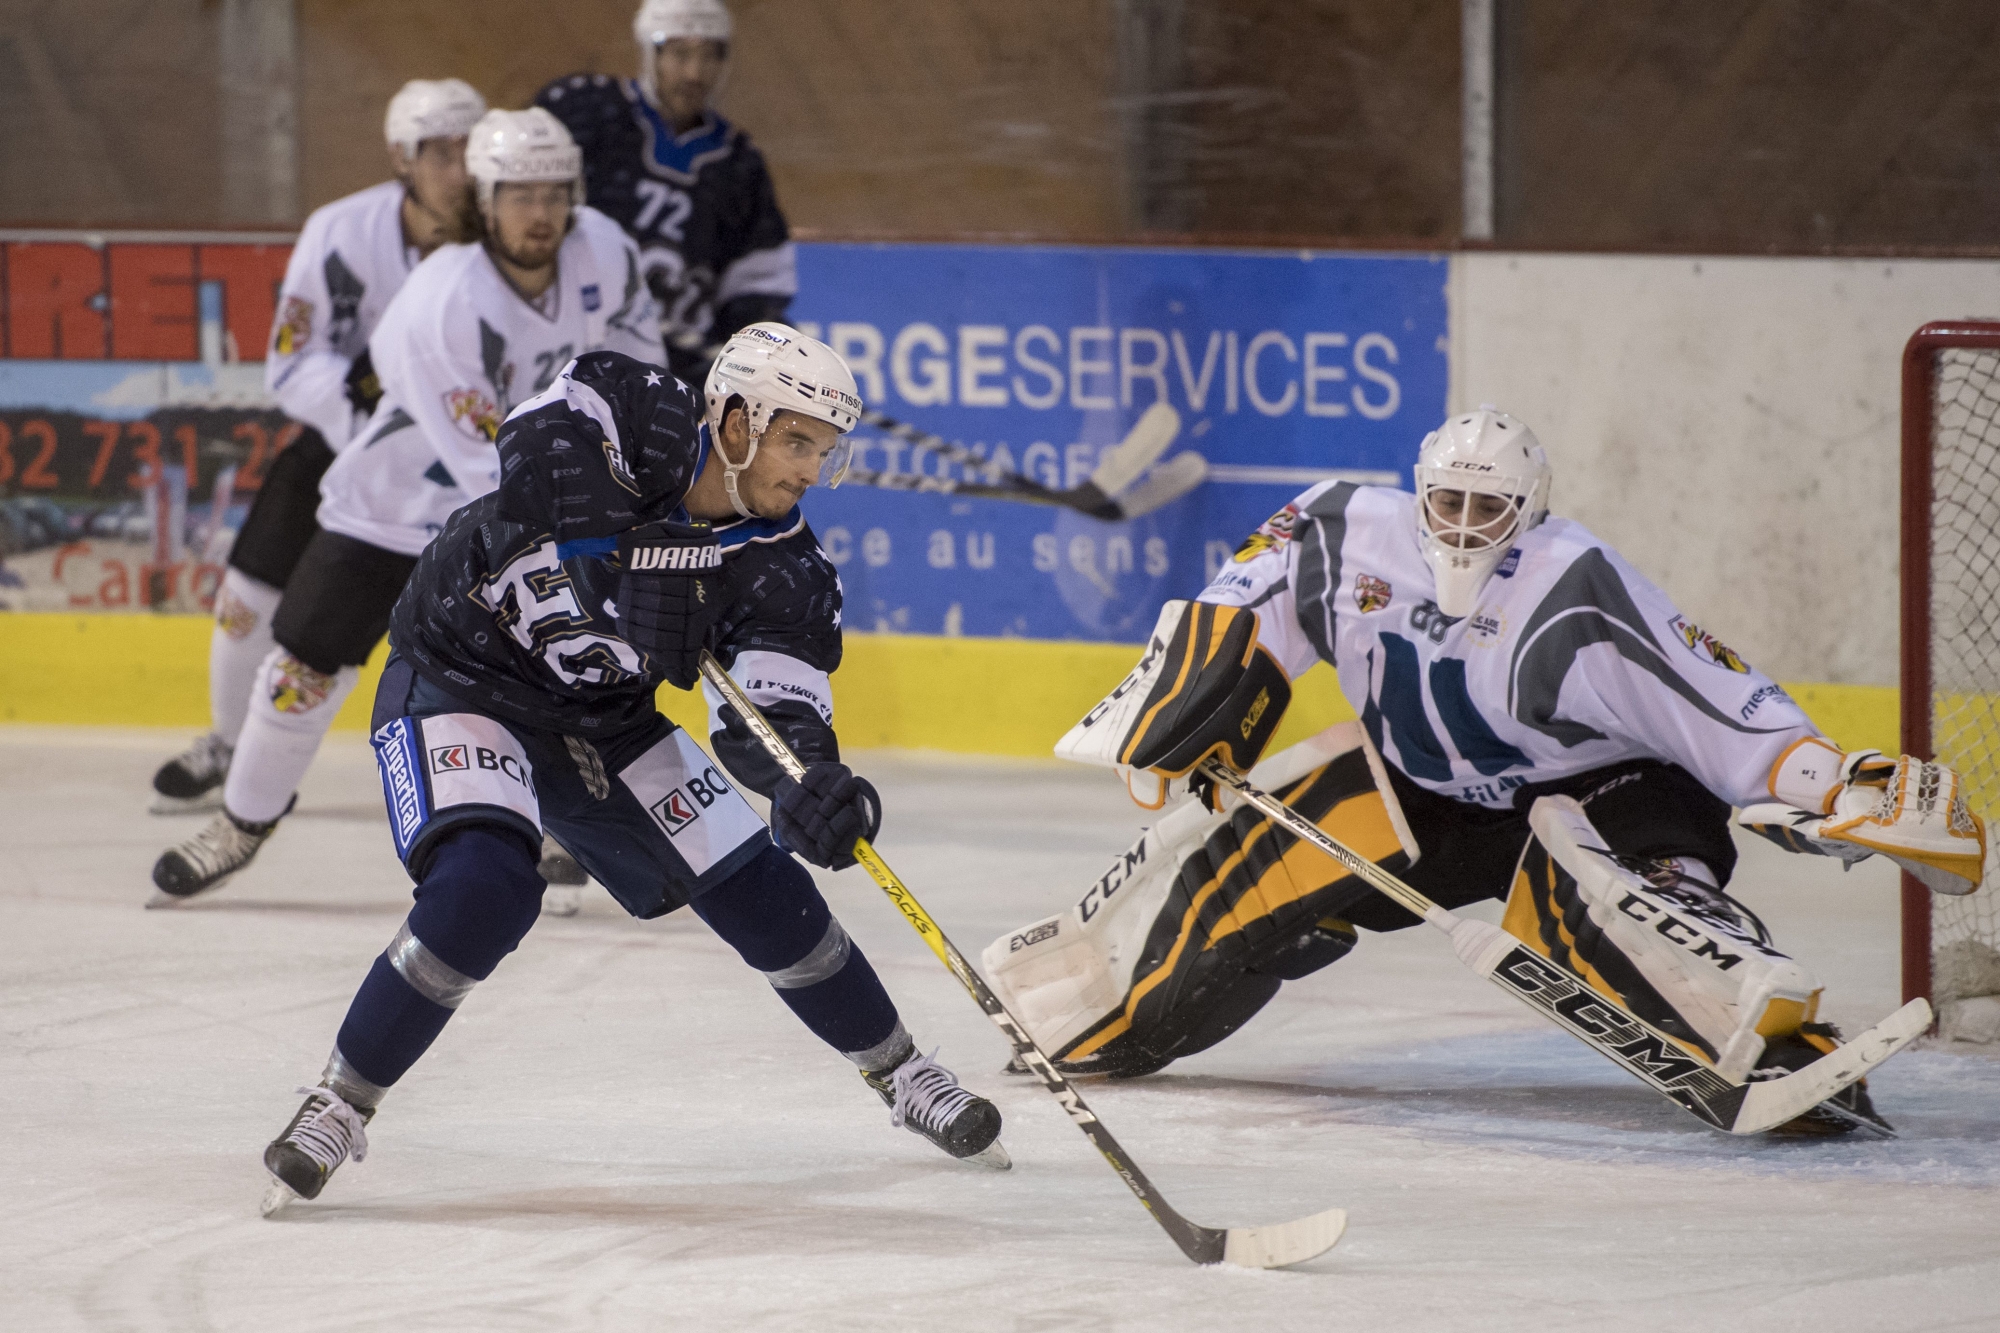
670, 595
1856, 804
1203, 689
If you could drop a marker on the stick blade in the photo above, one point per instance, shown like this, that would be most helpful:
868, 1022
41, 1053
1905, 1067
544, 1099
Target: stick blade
1770, 1104
1126, 461
1285, 1243
1169, 482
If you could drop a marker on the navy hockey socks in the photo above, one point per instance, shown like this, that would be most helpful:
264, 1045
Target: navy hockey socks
478, 898
772, 914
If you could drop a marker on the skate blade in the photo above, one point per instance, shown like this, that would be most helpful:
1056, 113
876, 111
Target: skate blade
993, 1156
186, 805
276, 1198
162, 899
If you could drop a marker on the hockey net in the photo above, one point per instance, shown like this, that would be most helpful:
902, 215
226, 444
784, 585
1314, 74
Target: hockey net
1951, 645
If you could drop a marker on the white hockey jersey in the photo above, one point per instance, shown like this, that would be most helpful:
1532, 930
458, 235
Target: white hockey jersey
1571, 661
456, 351
346, 266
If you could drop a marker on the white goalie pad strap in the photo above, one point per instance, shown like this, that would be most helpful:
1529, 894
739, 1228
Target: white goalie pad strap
436, 769
1667, 955
691, 801
1063, 974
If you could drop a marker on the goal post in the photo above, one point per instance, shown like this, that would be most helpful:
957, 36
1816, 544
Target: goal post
1950, 658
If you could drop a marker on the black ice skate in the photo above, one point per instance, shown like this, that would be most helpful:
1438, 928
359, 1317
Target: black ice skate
192, 780
325, 1133
1844, 1112
211, 856
566, 880
924, 1098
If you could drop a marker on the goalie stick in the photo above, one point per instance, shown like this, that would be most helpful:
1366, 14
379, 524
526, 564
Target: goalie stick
1603, 1024
1114, 491
1247, 1247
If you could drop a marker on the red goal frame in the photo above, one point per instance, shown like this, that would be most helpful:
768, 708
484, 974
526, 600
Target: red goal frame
1919, 410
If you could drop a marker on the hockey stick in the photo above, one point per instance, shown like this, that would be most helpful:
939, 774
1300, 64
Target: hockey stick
1247, 1247
1603, 1024
1113, 492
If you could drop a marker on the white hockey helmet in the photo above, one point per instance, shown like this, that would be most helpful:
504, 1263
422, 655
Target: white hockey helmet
431, 109
660, 21
1485, 452
519, 146
772, 366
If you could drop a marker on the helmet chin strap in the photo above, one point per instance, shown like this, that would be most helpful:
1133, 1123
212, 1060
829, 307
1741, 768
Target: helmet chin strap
730, 471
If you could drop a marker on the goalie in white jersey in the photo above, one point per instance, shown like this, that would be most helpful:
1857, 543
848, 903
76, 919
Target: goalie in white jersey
350, 260
476, 329
1538, 722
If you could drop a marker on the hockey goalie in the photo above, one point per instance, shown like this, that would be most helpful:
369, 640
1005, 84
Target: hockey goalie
1538, 723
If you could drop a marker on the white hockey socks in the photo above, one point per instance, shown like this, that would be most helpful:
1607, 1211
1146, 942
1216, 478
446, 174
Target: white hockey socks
237, 646
291, 706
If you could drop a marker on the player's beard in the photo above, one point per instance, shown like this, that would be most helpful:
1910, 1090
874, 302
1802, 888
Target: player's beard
525, 257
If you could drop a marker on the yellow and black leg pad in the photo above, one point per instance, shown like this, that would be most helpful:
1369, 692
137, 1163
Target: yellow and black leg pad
1203, 688
1198, 924
1692, 962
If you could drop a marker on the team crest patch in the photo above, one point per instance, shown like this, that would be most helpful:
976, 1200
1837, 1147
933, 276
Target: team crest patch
295, 325
475, 414
1272, 533
449, 759
298, 688
592, 297
621, 472
232, 617
1705, 645
1371, 593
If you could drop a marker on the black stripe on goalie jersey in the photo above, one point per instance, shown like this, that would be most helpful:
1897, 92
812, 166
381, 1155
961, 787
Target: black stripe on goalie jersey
1554, 893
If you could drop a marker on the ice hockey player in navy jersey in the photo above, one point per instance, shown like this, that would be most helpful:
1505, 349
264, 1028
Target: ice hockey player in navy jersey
625, 537
686, 183
1537, 723
349, 260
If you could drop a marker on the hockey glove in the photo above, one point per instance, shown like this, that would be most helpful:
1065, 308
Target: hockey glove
670, 595
820, 815
1909, 810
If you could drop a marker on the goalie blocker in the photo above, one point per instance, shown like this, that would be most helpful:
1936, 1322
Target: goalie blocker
1202, 689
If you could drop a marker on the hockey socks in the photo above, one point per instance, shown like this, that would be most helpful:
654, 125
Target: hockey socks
291, 707
237, 647
479, 897
772, 914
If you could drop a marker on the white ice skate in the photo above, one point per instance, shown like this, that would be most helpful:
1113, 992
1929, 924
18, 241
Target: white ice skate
925, 1098
192, 780
209, 858
325, 1132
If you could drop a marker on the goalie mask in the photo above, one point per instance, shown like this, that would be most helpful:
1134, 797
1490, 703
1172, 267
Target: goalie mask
1482, 481
767, 367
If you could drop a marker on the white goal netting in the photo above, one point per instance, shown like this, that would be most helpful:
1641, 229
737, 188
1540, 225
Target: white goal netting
1965, 663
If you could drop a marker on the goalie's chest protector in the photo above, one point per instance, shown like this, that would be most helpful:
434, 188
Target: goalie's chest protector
1546, 679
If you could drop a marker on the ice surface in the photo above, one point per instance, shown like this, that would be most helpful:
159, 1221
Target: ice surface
624, 1129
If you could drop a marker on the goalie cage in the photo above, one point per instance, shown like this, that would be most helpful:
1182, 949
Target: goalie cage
1951, 646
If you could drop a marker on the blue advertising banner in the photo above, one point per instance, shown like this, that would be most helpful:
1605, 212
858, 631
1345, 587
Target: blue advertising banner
1287, 369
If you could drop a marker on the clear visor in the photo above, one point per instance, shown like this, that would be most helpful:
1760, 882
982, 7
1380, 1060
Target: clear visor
833, 459
1471, 520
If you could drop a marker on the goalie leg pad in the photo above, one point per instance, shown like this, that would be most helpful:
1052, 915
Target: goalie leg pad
1193, 930
1203, 688
1689, 960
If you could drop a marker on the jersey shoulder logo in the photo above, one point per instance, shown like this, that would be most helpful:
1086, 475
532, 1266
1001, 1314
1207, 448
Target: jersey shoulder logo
593, 297
476, 415
1705, 645
1371, 593
295, 326
1271, 534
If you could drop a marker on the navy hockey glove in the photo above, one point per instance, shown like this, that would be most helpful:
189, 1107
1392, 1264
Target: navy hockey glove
820, 815
670, 595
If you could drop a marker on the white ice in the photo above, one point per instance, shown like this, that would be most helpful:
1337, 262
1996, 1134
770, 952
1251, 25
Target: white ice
624, 1129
